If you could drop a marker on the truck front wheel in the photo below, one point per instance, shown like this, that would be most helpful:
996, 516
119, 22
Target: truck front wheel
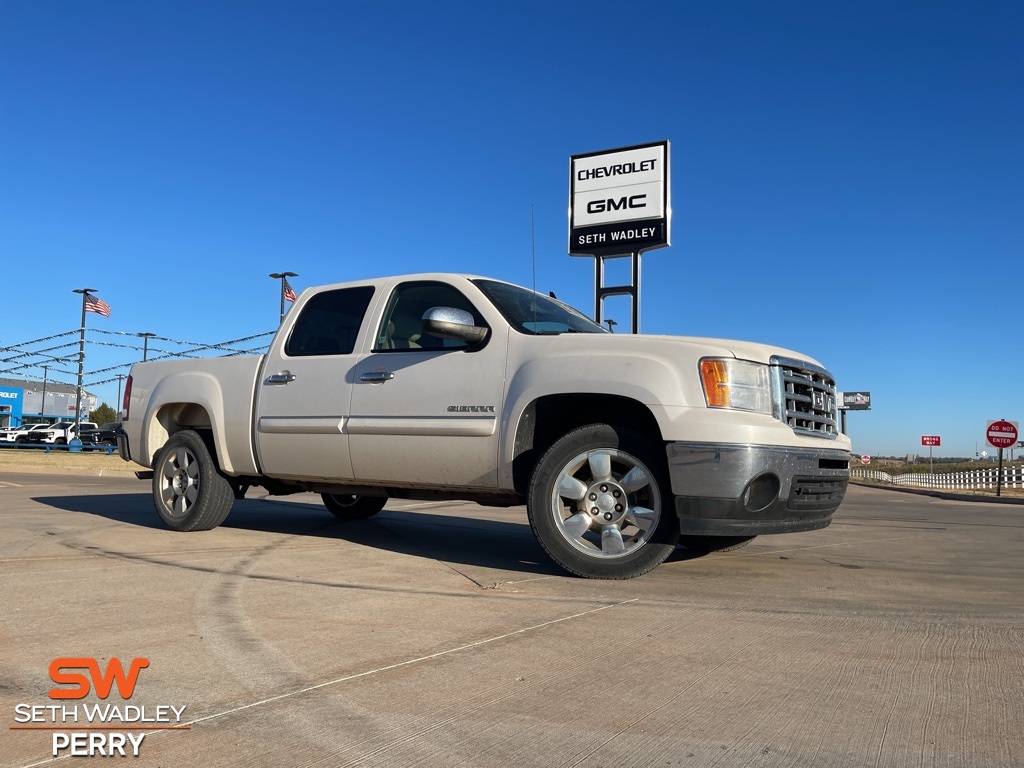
349, 507
188, 491
600, 504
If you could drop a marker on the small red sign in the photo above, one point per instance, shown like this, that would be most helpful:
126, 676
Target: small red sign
931, 440
1002, 434
865, 459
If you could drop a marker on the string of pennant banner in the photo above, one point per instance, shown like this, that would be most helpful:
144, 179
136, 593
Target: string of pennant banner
25, 359
23, 356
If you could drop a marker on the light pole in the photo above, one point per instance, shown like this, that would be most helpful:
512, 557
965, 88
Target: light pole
45, 367
42, 405
81, 360
283, 277
145, 343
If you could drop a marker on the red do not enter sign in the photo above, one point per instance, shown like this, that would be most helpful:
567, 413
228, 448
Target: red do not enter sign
1002, 434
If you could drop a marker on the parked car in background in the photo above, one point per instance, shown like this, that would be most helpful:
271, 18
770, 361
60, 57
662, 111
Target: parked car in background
64, 432
107, 433
27, 433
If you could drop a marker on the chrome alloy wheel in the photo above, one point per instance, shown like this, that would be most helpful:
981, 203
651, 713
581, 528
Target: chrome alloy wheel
606, 503
179, 481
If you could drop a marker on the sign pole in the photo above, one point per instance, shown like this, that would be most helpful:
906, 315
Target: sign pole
999, 474
931, 467
636, 292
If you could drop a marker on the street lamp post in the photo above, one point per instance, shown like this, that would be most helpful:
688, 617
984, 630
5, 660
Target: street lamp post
46, 367
42, 405
283, 277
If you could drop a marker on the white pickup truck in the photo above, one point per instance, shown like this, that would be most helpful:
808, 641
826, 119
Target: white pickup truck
440, 386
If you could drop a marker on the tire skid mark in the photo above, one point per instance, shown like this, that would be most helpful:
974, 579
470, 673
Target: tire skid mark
222, 622
409, 663
235, 638
161, 561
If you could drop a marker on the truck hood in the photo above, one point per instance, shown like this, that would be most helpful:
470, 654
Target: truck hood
743, 350
697, 346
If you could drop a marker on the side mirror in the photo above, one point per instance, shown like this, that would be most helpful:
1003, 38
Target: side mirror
451, 323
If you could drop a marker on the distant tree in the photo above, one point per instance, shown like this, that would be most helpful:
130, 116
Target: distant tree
104, 414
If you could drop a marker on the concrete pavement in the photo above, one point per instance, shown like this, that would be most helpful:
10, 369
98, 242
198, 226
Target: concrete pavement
439, 634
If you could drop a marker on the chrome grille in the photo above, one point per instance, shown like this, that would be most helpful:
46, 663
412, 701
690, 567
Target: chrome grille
804, 397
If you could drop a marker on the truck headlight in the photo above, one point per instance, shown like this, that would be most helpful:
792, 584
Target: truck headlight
738, 384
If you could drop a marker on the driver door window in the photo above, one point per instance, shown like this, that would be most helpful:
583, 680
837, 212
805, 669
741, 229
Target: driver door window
400, 327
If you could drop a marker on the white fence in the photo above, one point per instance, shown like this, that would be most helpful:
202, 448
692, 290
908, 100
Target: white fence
978, 479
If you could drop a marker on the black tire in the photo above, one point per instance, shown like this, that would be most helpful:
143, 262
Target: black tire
621, 476
60, 441
348, 507
707, 544
189, 492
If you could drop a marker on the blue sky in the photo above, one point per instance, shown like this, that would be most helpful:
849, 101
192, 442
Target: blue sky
847, 179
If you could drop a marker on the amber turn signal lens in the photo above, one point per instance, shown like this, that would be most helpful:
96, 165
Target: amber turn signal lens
715, 378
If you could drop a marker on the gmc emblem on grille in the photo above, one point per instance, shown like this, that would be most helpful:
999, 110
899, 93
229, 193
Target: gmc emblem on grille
823, 401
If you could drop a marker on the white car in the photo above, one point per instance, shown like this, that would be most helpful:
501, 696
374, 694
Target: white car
62, 433
24, 434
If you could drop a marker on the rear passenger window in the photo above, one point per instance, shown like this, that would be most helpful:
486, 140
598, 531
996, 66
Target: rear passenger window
329, 323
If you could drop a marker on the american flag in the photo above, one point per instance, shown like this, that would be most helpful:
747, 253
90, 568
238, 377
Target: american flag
93, 304
289, 293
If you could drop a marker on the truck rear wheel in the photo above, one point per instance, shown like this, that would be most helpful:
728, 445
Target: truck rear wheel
188, 491
600, 504
348, 507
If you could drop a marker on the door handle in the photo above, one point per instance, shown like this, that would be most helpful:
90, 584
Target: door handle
281, 378
377, 376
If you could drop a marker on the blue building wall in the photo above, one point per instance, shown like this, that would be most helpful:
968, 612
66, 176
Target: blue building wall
11, 403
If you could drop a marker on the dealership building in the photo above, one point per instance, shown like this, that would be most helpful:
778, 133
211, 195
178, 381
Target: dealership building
25, 402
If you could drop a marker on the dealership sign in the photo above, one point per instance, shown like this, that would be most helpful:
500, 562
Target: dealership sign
854, 401
619, 201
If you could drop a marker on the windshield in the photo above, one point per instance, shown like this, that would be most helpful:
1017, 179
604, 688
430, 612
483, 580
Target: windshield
532, 313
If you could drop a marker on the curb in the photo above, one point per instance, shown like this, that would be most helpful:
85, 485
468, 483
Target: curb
82, 472
941, 494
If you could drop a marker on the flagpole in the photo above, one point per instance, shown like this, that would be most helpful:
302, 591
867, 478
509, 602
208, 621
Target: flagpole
81, 363
283, 276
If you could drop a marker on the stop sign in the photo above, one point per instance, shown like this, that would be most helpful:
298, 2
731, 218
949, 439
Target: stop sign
1002, 434
865, 459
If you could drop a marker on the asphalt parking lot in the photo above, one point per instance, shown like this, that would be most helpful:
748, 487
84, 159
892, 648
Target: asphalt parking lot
439, 634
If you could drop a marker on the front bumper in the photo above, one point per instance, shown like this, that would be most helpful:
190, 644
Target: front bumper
750, 490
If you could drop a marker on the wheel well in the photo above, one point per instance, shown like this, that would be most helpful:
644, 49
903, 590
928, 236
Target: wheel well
548, 418
174, 417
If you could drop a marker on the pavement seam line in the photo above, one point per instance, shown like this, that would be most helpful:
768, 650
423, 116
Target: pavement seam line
407, 662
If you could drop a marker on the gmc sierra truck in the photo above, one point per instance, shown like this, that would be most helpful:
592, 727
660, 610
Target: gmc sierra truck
440, 386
